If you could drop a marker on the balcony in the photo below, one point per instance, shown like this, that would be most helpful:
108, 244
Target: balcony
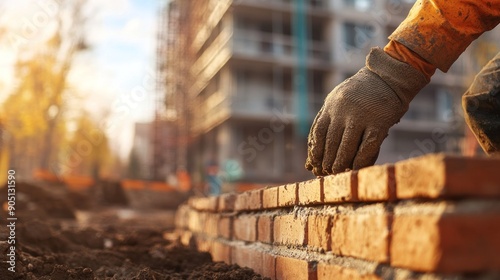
255, 106
275, 46
309, 4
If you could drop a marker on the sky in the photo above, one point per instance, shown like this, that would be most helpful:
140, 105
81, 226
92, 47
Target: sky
115, 77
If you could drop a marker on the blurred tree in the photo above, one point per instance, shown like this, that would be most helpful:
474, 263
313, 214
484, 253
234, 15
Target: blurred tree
34, 112
89, 146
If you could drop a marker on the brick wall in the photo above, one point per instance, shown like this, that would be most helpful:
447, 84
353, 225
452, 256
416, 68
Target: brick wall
433, 217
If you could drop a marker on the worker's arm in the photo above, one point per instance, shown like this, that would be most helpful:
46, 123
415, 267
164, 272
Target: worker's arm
357, 114
438, 31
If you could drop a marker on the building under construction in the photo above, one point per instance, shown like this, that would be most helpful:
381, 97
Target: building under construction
243, 80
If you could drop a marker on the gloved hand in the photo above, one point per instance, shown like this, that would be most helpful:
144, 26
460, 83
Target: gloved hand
357, 114
481, 104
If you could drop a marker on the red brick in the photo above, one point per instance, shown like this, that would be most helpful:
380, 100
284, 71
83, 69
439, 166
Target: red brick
439, 175
270, 197
377, 183
340, 187
452, 243
204, 203
361, 235
226, 202
247, 257
268, 266
241, 202
254, 200
311, 192
221, 252
187, 238
245, 228
290, 230
291, 269
337, 272
196, 221
318, 232
210, 227
287, 195
265, 229
203, 245
225, 227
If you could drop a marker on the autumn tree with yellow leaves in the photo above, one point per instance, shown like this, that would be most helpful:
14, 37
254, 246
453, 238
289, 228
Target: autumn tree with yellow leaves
35, 115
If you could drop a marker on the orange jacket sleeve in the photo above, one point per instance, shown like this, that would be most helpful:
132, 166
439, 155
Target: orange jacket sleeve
438, 31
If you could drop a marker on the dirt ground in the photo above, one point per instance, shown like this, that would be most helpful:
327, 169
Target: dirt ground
55, 240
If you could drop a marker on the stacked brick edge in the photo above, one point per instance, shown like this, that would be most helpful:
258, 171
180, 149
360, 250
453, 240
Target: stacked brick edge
433, 217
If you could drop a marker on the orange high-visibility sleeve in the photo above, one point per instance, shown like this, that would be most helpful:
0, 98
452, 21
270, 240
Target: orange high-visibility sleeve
440, 30
402, 53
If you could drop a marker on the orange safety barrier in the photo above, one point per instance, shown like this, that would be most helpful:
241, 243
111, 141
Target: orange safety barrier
78, 183
45, 176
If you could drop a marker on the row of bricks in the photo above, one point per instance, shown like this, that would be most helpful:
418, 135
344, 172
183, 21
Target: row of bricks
274, 266
431, 176
453, 242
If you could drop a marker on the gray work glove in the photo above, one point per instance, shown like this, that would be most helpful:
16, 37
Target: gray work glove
481, 104
357, 114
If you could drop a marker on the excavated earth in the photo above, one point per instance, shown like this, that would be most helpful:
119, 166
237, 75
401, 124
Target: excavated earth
66, 235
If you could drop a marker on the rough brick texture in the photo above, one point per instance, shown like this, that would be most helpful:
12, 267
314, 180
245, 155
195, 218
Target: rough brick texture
434, 217
438, 175
245, 228
341, 187
287, 195
270, 197
311, 192
225, 227
377, 183
291, 269
318, 232
447, 243
290, 230
361, 235
226, 202
265, 229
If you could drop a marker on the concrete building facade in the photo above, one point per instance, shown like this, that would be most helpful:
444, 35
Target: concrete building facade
243, 96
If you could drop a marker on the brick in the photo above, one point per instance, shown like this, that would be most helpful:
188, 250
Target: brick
203, 245
318, 232
270, 197
221, 252
265, 229
452, 243
434, 176
182, 216
226, 202
254, 200
287, 195
247, 257
340, 187
291, 269
187, 238
290, 230
310, 192
245, 228
377, 183
240, 203
204, 203
268, 266
225, 227
210, 227
332, 271
361, 235
196, 221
